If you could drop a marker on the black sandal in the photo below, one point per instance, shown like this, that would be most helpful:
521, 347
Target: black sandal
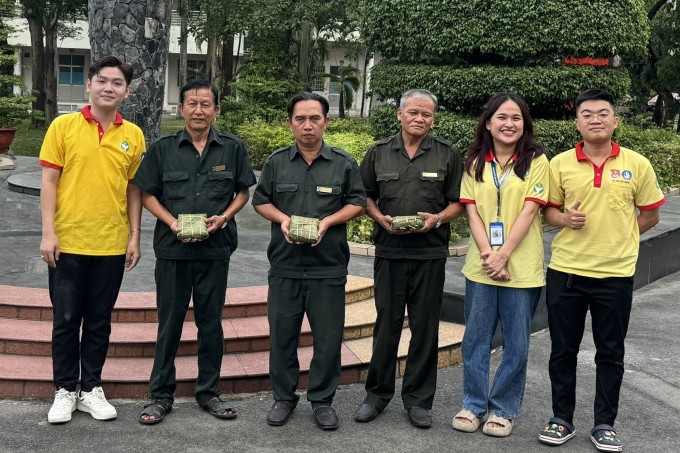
157, 410
220, 409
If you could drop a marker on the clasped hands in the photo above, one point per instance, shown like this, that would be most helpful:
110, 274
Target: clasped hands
494, 263
430, 221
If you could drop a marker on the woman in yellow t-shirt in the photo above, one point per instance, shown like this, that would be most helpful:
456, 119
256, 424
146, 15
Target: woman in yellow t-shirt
505, 184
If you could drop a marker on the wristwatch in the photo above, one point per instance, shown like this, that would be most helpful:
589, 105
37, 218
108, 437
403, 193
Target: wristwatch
226, 220
439, 221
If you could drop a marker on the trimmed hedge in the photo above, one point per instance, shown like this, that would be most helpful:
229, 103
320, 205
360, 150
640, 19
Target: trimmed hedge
531, 30
547, 89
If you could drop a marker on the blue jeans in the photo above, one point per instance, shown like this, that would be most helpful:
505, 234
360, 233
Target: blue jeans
485, 305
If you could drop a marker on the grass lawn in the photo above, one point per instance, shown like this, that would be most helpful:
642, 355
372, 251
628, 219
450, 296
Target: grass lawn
27, 141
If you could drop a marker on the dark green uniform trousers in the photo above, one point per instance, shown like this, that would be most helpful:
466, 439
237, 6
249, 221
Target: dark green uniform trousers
175, 282
324, 302
417, 286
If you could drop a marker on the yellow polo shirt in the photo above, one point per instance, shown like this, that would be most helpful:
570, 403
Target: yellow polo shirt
608, 244
96, 165
525, 265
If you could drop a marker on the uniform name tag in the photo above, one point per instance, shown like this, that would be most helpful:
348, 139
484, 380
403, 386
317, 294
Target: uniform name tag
430, 174
324, 189
219, 168
496, 234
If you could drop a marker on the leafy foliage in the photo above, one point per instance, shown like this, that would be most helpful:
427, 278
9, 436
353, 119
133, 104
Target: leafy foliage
531, 30
548, 89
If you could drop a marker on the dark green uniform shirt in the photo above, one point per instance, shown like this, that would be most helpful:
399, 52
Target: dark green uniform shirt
404, 186
317, 190
186, 182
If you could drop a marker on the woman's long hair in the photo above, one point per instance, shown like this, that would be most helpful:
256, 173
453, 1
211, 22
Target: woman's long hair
526, 148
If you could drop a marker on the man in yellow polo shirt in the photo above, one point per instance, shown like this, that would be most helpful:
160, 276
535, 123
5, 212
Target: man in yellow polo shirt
603, 196
90, 233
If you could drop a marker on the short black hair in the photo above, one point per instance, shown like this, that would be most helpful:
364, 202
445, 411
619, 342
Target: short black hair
594, 94
308, 96
110, 61
198, 85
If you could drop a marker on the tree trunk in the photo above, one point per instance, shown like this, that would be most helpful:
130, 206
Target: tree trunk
212, 66
341, 103
38, 74
137, 32
305, 54
183, 46
227, 68
51, 106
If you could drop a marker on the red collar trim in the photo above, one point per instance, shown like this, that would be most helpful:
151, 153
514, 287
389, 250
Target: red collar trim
87, 113
490, 156
616, 150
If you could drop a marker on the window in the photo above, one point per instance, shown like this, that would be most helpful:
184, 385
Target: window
318, 83
195, 70
71, 69
334, 86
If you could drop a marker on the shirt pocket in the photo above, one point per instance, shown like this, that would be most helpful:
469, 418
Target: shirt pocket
220, 184
175, 184
619, 197
285, 196
388, 182
329, 199
432, 184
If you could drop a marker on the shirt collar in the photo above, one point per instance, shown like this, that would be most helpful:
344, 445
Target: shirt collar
87, 113
325, 151
580, 155
490, 156
398, 142
212, 136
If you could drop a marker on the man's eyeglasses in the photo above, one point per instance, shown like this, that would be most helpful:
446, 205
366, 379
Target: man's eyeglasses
602, 115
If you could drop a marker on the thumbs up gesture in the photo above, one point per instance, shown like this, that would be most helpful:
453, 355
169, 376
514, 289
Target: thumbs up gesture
573, 218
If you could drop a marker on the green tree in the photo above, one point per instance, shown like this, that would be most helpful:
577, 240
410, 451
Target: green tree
347, 82
48, 19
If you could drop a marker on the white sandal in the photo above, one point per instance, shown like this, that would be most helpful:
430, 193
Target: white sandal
503, 431
458, 424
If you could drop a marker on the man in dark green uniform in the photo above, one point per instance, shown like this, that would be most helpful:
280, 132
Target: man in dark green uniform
409, 174
308, 179
193, 171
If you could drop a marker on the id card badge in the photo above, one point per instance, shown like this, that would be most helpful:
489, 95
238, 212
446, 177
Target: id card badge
496, 234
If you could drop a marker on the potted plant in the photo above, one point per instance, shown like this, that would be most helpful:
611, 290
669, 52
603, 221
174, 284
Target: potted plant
14, 108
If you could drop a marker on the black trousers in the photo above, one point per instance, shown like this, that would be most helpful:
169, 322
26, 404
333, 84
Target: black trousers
568, 299
176, 282
83, 290
417, 286
323, 300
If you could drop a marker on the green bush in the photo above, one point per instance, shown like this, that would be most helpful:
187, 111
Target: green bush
266, 92
355, 125
235, 113
262, 139
443, 31
548, 89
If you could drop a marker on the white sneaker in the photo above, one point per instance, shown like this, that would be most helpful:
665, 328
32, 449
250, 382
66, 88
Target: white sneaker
95, 404
63, 406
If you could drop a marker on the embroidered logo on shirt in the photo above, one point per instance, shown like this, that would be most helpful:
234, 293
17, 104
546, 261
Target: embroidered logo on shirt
219, 168
538, 188
627, 175
322, 189
125, 146
616, 174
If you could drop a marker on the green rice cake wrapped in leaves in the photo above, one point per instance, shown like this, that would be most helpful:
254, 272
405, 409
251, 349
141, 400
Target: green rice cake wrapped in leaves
407, 222
304, 229
192, 226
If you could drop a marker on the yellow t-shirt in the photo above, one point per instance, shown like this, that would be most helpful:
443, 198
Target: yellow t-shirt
91, 212
608, 244
525, 265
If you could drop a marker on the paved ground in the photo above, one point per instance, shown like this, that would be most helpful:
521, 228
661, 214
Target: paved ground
650, 407
650, 396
